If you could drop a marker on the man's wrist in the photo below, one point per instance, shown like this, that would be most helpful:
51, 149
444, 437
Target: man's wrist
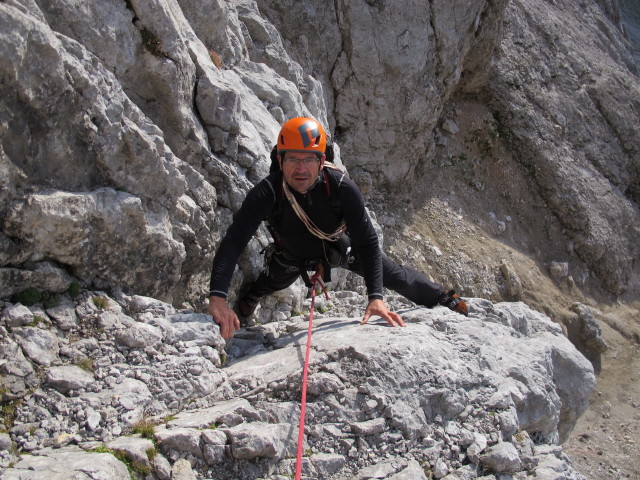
217, 300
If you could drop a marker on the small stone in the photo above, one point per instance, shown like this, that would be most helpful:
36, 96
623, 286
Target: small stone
502, 457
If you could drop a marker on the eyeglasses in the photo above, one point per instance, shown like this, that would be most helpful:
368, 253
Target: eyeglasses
308, 161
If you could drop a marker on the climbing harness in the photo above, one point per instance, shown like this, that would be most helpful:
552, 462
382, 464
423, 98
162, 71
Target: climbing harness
315, 279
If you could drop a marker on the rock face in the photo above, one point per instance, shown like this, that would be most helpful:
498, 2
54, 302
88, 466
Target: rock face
564, 86
389, 68
110, 129
447, 396
559, 84
131, 131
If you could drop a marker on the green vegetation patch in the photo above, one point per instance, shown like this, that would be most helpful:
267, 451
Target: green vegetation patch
8, 414
146, 429
27, 297
101, 303
85, 364
32, 296
74, 289
135, 468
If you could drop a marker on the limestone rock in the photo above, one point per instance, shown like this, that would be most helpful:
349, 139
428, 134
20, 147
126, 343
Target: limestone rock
67, 378
559, 270
393, 470
18, 316
135, 449
504, 371
512, 282
182, 470
161, 122
39, 345
369, 427
231, 413
572, 160
18, 373
43, 276
502, 457
181, 439
5, 441
130, 133
66, 463
324, 383
140, 335
585, 333
64, 316
259, 440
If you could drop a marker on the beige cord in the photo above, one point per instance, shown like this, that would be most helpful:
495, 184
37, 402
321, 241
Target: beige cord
331, 237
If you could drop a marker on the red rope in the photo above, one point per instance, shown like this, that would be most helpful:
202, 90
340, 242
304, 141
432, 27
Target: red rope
305, 371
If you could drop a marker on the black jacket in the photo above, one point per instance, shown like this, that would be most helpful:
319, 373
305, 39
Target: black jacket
293, 236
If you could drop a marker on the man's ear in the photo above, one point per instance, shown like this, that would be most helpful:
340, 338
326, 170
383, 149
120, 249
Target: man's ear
280, 160
322, 159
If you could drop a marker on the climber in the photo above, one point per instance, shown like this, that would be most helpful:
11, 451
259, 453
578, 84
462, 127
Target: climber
317, 219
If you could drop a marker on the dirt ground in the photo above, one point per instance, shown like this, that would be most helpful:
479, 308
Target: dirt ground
605, 444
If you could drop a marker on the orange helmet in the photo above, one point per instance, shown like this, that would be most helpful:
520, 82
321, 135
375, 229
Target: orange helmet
302, 134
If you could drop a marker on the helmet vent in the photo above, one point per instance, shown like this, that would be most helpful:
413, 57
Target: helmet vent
302, 134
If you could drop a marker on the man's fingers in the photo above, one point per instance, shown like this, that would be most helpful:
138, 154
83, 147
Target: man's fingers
228, 329
226, 319
226, 325
223, 328
232, 324
398, 319
377, 307
394, 320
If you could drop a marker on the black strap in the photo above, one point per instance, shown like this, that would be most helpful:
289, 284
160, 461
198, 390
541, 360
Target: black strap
303, 267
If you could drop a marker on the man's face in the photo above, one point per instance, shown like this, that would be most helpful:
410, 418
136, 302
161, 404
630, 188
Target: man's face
300, 169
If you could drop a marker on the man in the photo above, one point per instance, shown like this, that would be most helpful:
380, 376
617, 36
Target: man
317, 217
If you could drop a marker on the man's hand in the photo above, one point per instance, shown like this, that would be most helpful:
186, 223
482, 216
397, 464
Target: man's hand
223, 316
378, 307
